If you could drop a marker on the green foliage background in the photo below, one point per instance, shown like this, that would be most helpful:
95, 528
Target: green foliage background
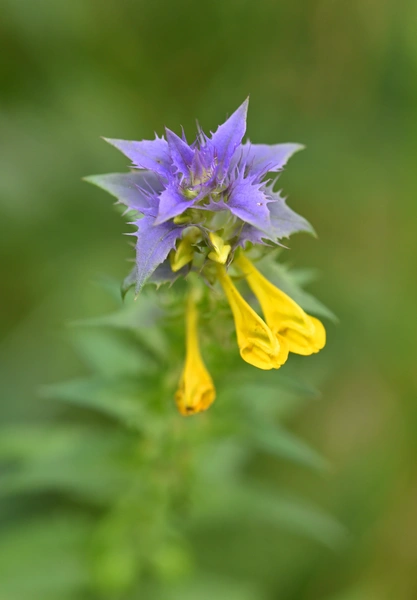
123, 499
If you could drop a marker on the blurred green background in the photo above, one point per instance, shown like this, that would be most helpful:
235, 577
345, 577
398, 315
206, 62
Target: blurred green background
340, 77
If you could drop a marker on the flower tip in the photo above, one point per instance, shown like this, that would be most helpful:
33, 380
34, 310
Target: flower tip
159, 220
116, 143
169, 133
312, 231
265, 356
200, 401
260, 360
244, 106
298, 147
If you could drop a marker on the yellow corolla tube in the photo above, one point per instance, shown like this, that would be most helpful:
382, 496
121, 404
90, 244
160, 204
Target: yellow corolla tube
304, 334
257, 344
196, 391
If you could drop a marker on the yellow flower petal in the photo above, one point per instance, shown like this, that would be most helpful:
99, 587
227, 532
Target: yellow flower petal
196, 391
305, 344
257, 344
304, 334
220, 250
182, 255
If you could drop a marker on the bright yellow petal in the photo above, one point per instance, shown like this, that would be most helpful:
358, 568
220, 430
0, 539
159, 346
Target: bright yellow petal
220, 250
257, 344
319, 337
182, 255
196, 391
312, 343
304, 334
305, 344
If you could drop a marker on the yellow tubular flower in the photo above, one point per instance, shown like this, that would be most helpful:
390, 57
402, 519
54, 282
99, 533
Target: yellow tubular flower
196, 390
257, 344
304, 334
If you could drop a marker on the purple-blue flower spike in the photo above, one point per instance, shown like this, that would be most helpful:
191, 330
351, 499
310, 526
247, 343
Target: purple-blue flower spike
200, 202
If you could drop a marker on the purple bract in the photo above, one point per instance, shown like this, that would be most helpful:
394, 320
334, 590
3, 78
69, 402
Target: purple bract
216, 184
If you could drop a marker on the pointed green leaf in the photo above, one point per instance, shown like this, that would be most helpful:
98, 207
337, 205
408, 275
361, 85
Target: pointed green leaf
117, 399
128, 282
285, 445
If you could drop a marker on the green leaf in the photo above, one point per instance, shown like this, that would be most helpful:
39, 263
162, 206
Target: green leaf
164, 274
293, 514
266, 400
272, 380
234, 504
283, 444
112, 353
139, 317
128, 282
82, 461
42, 559
118, 399
111, 286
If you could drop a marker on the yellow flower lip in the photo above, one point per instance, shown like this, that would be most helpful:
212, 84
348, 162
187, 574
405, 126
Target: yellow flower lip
220, 250
302, 333
192, 401
257, 344
185, 250
308, 343
196, 391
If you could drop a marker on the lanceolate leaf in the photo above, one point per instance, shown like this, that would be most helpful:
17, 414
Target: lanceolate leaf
283, 444
121, 399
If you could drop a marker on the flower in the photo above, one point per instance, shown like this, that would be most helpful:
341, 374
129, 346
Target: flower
196, 390
217, 184
302, 333
257, 344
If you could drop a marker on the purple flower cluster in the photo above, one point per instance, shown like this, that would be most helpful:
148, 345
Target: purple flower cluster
216, 184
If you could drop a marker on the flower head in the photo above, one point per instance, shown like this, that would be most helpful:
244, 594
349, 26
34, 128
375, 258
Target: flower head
216, 184
196, 208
